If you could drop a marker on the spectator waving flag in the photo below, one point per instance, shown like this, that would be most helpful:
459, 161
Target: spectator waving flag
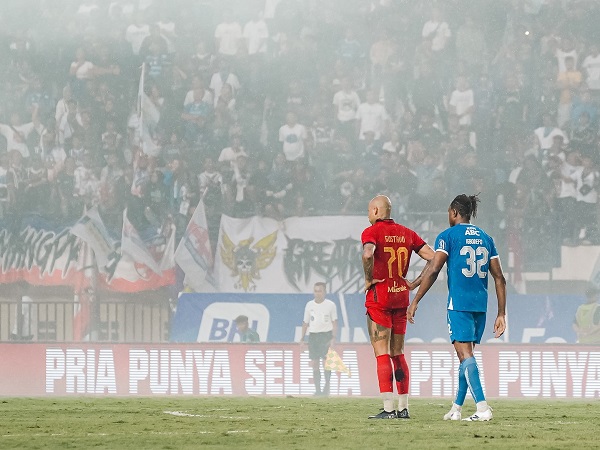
143, 265
133, 246
148, 117
92, 231
194, 254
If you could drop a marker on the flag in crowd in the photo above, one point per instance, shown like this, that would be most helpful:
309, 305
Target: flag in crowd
194, 254
148, 116
91, 230
132, 245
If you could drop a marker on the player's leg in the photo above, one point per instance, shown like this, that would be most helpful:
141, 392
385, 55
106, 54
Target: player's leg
401, 372
454, 326
469, 334
380, 336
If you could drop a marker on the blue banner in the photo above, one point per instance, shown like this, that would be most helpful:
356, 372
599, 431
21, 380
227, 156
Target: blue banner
278, 318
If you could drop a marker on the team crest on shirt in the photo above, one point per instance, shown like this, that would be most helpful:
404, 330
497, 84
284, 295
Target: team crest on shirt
246, 260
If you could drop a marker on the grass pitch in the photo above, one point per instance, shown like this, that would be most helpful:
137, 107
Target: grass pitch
287, 423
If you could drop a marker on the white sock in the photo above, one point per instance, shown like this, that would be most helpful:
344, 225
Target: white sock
402, 402
388, 401
482, 406
456, 407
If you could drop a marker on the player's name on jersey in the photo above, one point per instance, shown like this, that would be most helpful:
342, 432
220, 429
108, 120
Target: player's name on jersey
396, 288
474, 241
396, 239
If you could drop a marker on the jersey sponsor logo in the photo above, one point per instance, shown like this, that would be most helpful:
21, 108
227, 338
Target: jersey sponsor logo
471, 231
396, 288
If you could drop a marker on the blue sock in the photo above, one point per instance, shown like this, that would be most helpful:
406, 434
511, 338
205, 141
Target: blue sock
461, 393
472, 378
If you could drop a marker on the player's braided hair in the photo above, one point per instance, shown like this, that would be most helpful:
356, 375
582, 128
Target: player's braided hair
465, 205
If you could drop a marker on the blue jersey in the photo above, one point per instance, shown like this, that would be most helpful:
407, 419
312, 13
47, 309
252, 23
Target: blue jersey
469, 251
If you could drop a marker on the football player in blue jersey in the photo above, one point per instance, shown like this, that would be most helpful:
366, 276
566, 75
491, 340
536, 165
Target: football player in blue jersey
469, 254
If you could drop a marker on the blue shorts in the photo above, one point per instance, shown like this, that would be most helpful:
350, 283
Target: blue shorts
466, 326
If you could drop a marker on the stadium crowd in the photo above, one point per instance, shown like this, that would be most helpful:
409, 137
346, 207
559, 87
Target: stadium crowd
303, 107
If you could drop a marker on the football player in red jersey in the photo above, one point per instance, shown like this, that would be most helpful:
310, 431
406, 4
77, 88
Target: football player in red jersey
387, 248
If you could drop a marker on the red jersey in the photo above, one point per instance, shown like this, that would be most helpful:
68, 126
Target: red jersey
394, 244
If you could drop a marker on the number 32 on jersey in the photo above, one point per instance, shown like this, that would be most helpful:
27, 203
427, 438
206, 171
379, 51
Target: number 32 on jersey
477, 258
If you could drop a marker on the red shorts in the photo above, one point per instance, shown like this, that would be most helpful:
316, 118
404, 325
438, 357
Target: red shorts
389, 318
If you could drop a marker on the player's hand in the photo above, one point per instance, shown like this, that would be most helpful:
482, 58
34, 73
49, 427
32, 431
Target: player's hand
499, 326
411, 311
370, 284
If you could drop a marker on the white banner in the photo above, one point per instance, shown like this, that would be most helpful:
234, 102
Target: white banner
263, 255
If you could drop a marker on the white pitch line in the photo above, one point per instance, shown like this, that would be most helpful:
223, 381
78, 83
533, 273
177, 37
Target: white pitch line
182, 414
204, 416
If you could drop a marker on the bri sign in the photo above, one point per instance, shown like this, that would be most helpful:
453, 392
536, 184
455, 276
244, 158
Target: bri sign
532, 319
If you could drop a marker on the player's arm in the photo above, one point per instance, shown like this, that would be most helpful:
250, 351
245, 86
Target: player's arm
368, 260
429, 277
500, 284
427, 253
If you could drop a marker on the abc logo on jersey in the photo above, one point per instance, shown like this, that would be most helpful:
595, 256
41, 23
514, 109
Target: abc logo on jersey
217, 324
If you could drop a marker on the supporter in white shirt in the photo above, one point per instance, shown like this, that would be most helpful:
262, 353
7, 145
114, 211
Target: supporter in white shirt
228, 35
69, 122
16, 133
394, 145
292, 135
136, 33
586, 180
62, 107
462, 102
167, 31
81, 68
256, 34
371, 116
220, 78
546, 133
591, 65
229, 155
197, 85
565, 50
346, 101
437, 30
